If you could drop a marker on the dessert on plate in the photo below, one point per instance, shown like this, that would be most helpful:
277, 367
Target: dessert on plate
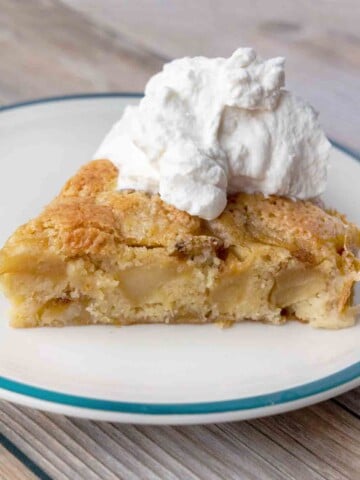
201, 205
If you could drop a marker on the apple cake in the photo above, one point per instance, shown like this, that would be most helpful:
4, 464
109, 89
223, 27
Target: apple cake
96, 255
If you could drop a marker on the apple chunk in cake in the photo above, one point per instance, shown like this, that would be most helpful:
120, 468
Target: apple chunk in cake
97, 255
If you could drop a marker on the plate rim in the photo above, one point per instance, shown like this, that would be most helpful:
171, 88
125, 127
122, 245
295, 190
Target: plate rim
292, 394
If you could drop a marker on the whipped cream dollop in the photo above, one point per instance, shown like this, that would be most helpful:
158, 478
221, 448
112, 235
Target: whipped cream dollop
209, 127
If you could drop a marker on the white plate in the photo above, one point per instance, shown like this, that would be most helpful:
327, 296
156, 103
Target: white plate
152, 374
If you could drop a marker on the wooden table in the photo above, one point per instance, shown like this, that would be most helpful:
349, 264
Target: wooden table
49, 47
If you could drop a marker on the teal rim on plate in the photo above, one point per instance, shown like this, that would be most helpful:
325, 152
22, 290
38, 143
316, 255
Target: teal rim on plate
300, 392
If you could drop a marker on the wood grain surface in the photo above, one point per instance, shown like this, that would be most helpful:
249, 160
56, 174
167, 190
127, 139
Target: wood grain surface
317, 443
12, 468
53, 47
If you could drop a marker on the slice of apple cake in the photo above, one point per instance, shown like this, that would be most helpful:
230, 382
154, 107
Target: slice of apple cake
97, 255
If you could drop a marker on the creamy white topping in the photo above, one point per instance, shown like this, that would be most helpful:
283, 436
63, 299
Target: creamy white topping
208, 127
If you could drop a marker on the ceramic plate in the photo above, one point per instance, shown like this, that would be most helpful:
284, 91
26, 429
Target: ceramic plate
152, 374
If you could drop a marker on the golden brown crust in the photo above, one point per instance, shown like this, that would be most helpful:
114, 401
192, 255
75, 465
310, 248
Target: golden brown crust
91, 217
304, 228
92, 179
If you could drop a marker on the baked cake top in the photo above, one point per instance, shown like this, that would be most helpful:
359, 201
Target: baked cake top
89, 217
